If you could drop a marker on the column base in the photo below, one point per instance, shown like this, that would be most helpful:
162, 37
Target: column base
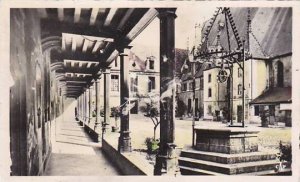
124, 144
105, 128
167, 164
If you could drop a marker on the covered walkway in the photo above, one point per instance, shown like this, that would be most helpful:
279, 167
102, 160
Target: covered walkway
66, 55
75, 154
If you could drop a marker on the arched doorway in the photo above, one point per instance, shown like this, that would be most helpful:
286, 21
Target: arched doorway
280, 76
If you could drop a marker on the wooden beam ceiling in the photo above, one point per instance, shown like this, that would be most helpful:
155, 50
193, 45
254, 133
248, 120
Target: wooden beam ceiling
90, 37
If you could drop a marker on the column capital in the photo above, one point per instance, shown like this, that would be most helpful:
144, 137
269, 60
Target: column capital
106, 70
121, 49
96, 77
166, 12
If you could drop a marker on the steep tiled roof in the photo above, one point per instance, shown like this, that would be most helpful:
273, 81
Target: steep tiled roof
272, 28
187, 76
140, 52
274, 95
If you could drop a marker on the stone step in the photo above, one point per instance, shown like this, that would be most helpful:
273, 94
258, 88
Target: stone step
228, 158
239, 168
195, 171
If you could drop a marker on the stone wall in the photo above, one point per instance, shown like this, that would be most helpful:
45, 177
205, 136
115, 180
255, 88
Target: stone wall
30, 121
184, 96
287, 71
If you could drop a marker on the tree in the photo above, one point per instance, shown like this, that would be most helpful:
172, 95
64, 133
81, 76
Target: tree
152, 100
153, 115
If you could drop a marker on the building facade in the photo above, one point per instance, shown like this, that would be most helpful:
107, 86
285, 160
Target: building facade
267, 72
144, 81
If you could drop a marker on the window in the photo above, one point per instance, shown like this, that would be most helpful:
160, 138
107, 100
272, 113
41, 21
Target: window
151, 64
209, 78
191, 85
256, 110
115, 83
151, 83
196, 107
189, 105
201, 83
280, 74
209, 92
134, 84
184, 87
209, 109
240, 72
239, 89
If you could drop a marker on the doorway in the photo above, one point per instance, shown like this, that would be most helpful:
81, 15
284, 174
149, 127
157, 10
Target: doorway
189, 106
239, 113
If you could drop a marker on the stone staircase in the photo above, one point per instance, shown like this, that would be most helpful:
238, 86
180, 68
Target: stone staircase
196, 162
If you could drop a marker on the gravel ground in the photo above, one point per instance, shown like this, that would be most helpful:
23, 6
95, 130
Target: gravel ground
142, 127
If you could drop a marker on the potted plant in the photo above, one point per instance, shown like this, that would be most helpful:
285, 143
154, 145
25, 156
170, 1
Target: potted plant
93, 113
152, 144
285, 158
115, 112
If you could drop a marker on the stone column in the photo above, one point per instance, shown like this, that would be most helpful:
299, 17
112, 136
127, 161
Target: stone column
166, 158
84, 106
78, 106
87, 114
124, 139
90, 104
97, 90
106, 99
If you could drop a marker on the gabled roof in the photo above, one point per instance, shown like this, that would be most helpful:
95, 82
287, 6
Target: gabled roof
140, 64
274, 95
187, 76
199, 72
141, 52
272, 28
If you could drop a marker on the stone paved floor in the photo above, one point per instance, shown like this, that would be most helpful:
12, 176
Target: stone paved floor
75, 154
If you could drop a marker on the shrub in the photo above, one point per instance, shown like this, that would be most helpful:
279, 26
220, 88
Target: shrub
285, 152
152, 145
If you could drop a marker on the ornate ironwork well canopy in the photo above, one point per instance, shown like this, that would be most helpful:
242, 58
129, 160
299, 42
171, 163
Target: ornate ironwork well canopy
224, 54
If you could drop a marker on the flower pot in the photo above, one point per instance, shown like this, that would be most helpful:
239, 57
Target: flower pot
152, 146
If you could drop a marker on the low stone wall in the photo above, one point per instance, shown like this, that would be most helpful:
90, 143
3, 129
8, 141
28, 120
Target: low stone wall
92, 133
127, 163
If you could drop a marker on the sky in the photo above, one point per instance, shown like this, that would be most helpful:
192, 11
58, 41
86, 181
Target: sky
187, 17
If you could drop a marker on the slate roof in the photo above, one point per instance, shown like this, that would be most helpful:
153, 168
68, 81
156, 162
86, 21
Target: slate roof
140, 52
271, 26
187, 76
274, 95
